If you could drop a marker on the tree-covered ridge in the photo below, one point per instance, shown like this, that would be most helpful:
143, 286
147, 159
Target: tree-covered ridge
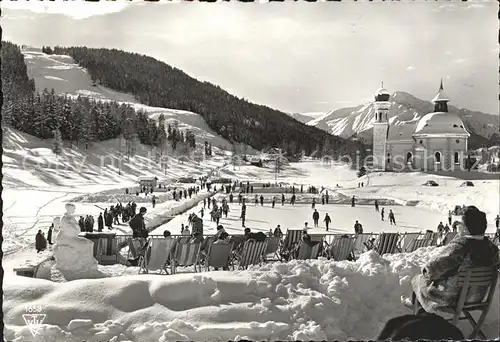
82, 120
157, 84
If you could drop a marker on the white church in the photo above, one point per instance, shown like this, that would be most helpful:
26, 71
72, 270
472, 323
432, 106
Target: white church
437, 142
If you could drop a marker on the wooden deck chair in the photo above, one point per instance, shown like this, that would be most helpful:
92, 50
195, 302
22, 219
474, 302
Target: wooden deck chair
418, 243
253, 253
406, 242
481, 280
387, 243
448, 237
359, 242
342, 247
321, 239
218, 255
156, 256
431, 239
292, 238
236, 240
135, 247
185, 255
273, 244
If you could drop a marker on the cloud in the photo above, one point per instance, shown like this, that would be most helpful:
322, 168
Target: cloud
410, 68
460, 60
76, 9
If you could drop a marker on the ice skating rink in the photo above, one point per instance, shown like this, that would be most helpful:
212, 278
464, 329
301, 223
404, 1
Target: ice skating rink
264, 218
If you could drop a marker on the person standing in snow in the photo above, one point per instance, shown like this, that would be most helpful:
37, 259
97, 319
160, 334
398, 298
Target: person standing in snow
449, 217
391, 217
153, 201
49, 234
306, 228
353, 201
40, 242
446, 229
313, 205
292, 200
100, 223
243, 214
327, 221
315, 217
376, 206
282, 199
81, 223
256, 199
382, 213
358, 228
323, 199
277, 232
138, 226
261, 200
273, 202
440, 228
497, 222
231, 197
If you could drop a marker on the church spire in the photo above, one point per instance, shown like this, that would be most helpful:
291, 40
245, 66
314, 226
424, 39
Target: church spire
440, 100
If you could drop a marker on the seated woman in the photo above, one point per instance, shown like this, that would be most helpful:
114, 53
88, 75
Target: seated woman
437, 286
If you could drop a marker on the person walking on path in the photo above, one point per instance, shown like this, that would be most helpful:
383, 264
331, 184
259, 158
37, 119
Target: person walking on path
315, 218
256, 199
292, 200
261, 200
449, 217
282, 199
313, 205
382, 213
273, 201
353, 201
327, 221
153, 201
391, 217
243, 215
376, 206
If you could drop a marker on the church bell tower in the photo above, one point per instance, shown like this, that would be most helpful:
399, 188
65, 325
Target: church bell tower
381, 129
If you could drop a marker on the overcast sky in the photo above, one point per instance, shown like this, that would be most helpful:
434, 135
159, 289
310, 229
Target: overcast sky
295, 57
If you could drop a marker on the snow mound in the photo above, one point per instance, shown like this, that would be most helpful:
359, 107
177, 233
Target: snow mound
304, 300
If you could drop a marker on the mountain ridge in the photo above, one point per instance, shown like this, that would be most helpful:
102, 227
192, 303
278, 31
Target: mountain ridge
356, 121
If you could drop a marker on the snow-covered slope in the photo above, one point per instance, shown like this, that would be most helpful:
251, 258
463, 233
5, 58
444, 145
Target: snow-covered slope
306, 117
349, 122
61, 73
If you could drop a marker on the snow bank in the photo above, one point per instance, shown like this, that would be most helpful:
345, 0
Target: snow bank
300, 300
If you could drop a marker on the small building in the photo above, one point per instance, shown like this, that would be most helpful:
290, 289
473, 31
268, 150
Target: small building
148, 181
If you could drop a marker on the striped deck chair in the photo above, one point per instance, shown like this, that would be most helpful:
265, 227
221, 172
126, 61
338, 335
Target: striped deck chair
321, 239
273, 244
253, 252
218, 256
236, 240
156, 255
406, 242
359, 242
342, 247
448, 237
185, 255
431, 238
387, 243
135, 247
418, 243
292, 238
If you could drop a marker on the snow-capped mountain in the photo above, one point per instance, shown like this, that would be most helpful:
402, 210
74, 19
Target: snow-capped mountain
357, 121
306, 117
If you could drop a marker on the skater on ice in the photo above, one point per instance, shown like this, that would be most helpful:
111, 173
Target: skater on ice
392, 218
327, 221
382, 213
376, 206
353, 201
358, 228
315, 217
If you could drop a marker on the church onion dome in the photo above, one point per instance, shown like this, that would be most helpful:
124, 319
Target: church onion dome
382, 94
441, 124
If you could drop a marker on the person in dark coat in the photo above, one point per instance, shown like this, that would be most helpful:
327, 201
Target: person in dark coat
49, 234
100, 223
392, 219
138, 226
231, 198
282, 199
353, 201
376, 206
382, 213
108, 219
327, 221
277, 232
40, 242
315, 217
243, 214
437, 286
358, 228
153, 201
261, 200
81, 223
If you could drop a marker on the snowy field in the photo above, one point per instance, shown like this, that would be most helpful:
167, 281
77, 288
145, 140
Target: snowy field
300, 300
